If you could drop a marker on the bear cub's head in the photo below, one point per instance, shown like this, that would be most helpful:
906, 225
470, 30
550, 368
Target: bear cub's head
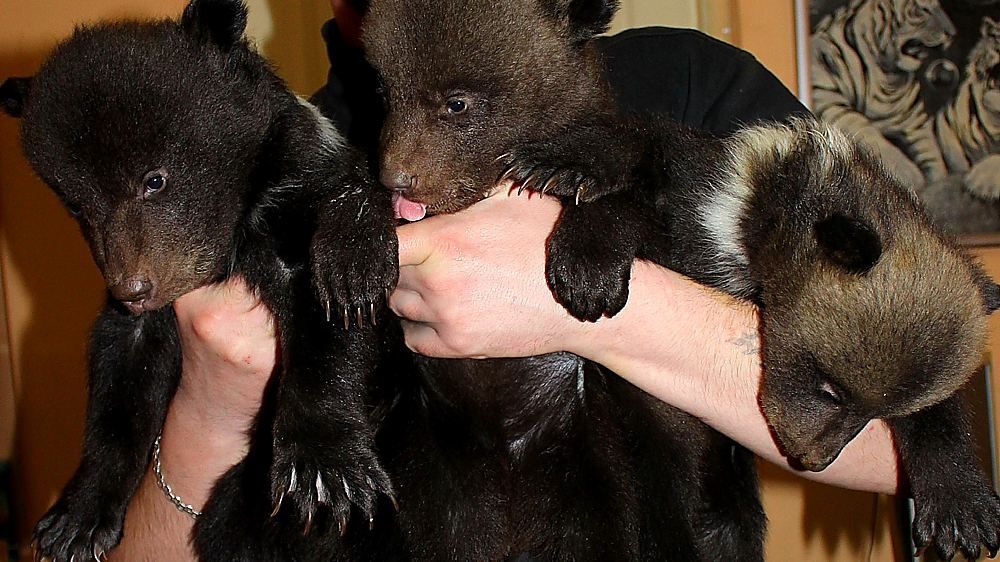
872, 312
472, 83
148, 132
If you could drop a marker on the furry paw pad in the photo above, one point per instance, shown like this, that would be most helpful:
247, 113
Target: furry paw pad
76, 530
958, 520
588, 268
318, 485
354, 270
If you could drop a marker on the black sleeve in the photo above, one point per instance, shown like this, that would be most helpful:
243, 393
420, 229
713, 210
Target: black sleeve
693, 78
349, 97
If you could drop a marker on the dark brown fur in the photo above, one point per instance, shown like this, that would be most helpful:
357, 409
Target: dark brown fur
552, 456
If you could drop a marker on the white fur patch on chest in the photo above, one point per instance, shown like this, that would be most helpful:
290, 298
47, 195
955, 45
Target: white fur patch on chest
330, 138
720, 217
730, 192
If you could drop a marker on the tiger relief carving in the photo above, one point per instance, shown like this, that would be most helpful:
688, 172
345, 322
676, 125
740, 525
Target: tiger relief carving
968, 128
865, 61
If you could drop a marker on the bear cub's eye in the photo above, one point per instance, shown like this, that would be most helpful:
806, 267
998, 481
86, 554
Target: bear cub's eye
831, 393
74, 209
456, 105
154, 182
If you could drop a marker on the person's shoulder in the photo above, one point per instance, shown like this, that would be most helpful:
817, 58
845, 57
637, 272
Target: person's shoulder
687, 40
692, 77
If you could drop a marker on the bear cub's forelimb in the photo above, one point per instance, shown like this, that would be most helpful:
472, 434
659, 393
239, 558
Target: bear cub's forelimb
135, 364
596, 168
955, 506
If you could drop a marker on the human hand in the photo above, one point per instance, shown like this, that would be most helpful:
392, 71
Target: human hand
229, 349
348, 15
472, 284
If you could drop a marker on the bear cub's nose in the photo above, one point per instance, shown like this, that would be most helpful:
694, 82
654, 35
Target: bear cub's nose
397, 179
132, 290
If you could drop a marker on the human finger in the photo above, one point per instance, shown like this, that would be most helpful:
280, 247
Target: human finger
416, 243
410, 305
422, 338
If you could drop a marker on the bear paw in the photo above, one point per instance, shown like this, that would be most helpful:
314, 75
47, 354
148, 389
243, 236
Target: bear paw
319, 483
530, 169
354, 270
77, 528
588, 268
954, 520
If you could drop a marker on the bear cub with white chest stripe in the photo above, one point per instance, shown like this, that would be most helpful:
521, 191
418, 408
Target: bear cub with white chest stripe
867, 311
187, 161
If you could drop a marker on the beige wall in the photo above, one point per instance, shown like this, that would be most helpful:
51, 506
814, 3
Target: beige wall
289, 34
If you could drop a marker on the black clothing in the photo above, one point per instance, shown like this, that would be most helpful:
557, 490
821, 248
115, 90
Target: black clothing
695, 79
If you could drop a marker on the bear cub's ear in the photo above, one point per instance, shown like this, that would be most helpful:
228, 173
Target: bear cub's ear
585, 18
218, 21
848, 243
13, 94
991, 296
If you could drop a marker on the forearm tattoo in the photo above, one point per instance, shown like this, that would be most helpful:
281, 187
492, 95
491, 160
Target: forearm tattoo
747, 343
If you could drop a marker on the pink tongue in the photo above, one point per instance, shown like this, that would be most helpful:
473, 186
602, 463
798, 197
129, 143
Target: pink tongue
406, 209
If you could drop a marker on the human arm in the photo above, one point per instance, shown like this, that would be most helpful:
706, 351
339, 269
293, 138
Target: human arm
228, 354
472, 284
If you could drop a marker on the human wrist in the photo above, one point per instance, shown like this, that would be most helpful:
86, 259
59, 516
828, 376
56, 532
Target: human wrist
669, 340
195, 450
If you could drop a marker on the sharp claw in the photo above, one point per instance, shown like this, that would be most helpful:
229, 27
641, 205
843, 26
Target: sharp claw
309, 524
326, 308
371, 309
371, 523
343, 525
548, 184
360, 317
506, 174
347, 320
347, 489
321, 493
579, 192
277, 506
503, 156
293, 483
395, 502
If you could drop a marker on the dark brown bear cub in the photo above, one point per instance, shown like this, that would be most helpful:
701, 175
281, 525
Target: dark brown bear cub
550, 457
867, 311
185, 161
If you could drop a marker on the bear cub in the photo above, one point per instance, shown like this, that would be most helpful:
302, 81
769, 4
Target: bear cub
551, 457
187, 161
